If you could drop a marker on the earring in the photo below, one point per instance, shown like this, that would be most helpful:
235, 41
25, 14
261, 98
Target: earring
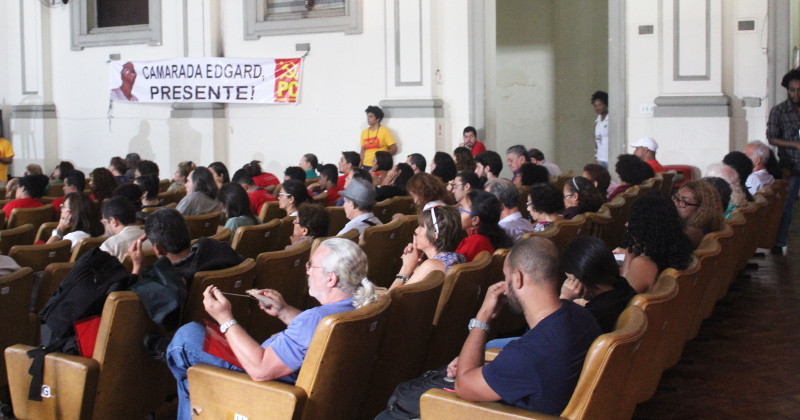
472, 231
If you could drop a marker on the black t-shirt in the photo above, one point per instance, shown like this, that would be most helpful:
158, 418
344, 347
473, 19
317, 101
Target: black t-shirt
607, 306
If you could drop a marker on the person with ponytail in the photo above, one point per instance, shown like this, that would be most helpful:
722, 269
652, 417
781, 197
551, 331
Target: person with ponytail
336, 278
480, 215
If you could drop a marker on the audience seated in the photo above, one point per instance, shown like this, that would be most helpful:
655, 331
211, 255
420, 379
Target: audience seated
511, 219
743, 166
580, 196
645, 149
394, 183
180, 175
488, 165
261, 178
348, 162
480, 215
328, 175
537, 157
78, 220
292, 195
30, 189
381, 164
119, 220
201, 193
417, 162
443, 167
257, 195
102, 183
428, 190
131, 163
220, 173
516, 156
312, 222
545, 204
132, 193
60, 171
465, 161
758, 153
464, 183
723, 188
146, 167
11, 185
738, 196
74, 182
530, 174
149, 186
236, 207
700, 208
632, 171
599, 176
118, 168
656, 241
359, 198
337, 279
309, 163
433, 248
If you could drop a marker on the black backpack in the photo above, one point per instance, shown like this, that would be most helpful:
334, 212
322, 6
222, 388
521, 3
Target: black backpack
404, 402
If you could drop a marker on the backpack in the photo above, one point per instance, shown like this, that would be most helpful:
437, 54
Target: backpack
404, 402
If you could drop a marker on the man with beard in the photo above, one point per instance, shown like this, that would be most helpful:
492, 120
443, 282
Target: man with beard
539, 370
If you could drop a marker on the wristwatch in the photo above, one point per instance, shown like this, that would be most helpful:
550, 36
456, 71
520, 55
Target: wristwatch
224, 327
57, 232
479, 324
401, 277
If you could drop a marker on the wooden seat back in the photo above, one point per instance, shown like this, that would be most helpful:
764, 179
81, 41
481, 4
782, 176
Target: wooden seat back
23, 235
237, 279
285, 233
596, 223
56, 189
404, 204
320, 199
44, 232
271, 210
338, 220
657, 181
249, 241
351, 234
3, 218
384, 247
168, 197
35, 216
668, 178
562, 179
773, 219
285, 272
522, 204
15, 298
672, 339
52, 277
85, 245
163, 185
38, 257
202, 225
383, 210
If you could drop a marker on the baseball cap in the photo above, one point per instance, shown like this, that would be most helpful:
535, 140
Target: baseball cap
647, 142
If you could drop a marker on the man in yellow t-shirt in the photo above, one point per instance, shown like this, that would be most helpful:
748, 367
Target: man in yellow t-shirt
375, 138
6, 158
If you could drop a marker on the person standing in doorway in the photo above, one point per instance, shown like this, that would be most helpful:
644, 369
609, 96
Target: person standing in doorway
376, 137
600, 104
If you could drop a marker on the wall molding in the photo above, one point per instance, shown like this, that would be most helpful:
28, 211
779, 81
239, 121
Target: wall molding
198, 110
413, 108
32, 112
692, 106
397, 55
676, 45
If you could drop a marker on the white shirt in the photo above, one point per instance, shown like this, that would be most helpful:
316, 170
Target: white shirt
359, 223
76, 237
758, 179
515, 226
117, 95
118, 244
601, 138
552, 168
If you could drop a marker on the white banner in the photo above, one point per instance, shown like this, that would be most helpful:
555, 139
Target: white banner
206, 79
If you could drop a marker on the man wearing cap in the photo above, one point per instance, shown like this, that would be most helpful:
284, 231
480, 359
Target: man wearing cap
359, 197
645, 149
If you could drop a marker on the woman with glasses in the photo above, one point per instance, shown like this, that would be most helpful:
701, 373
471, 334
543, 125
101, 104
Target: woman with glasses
433, 248
312, 222
480, 215
293, 194
700, 208
581, 196
545, 204
79, 219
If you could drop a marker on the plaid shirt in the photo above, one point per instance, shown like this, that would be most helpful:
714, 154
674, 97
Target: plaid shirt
784, 123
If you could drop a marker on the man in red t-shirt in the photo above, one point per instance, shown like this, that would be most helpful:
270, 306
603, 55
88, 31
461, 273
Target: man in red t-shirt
347, 162
471, 141
258, 195
645, 149
327, 183
31, 188
74, 181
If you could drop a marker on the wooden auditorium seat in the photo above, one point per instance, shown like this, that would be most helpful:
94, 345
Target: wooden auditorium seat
383, 210
202, 225
235, 279
249, 241
15, 298
38, 257
23, 235
85, 245
35, 216
384, 248
338, 220
270, 211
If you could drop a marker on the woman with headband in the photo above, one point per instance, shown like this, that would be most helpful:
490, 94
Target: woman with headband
436, 238
581, 196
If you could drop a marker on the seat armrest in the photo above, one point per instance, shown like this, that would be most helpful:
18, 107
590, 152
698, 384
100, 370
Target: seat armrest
490, 354
438, 404
218, 393
71, 383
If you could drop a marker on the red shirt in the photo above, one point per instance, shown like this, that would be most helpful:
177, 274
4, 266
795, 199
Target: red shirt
258, 198
266, 179
340, 182
57, 205
333, 196
21, 203
472, 245
478, 148
655, 165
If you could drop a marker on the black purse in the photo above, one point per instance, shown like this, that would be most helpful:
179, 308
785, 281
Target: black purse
404, 402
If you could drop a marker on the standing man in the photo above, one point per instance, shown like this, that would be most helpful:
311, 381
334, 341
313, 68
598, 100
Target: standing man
375, 138
600, 104
783, 130
6, 158
471, 141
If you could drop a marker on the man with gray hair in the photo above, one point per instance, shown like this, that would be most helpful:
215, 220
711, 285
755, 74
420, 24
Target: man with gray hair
336, 278
758, 152
516, 156
511, 219
359, 198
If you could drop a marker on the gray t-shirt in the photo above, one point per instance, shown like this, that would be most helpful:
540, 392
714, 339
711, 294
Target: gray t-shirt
197, 203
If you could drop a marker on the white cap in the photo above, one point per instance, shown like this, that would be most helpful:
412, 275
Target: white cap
647, 142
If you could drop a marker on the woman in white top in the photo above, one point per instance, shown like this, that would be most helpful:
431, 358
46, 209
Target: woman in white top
292, 195
78, 217
201, 193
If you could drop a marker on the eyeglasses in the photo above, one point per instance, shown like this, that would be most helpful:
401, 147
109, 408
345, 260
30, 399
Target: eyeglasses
458, 185
465, 211
283, 193
569, 195
296, 221
682, 203
309, 266
529, 204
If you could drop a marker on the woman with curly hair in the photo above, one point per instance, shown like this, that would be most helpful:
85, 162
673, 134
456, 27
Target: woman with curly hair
632, 171
103, 183
79, 219
464, 159
738, 197
180, 175
700, 208
480, 215
435, 242
381, 164
545, 204
428, 190
444, 167
580, 196
312, 222
656, 241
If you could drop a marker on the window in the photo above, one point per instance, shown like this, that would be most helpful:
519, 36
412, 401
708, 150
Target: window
280, 17
115, 22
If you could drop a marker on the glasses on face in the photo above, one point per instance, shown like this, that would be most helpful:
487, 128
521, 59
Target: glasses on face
568, 196
309, 266
296, 221
682, 203
284, 194
465, 211
458, 185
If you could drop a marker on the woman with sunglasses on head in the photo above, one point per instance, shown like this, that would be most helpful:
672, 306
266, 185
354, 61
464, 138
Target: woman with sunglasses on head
700, 208
436, 238
312, 222
581, 196
293, 194
480, 214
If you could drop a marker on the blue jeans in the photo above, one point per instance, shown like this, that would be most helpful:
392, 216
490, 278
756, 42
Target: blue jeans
783, 231
185, 351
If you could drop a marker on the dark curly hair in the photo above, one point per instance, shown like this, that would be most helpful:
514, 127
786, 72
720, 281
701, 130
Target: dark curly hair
103, 184
632, 170
445, 167
487, 207
589, 197
531, 173
314, 218
599, 175
546, 199
655, 230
